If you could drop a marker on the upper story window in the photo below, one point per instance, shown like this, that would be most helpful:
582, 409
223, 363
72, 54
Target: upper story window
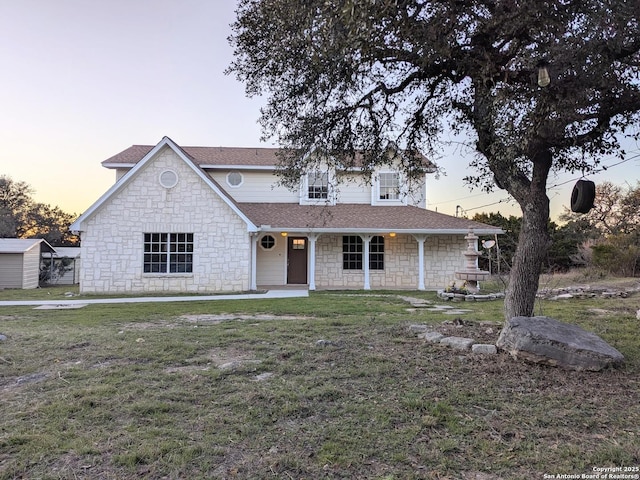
389, 186
234, 178
318, 185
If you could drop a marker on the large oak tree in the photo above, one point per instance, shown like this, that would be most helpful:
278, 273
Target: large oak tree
347, 76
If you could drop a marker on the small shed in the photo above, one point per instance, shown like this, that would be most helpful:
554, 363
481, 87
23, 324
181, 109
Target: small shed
20, 261
66, 265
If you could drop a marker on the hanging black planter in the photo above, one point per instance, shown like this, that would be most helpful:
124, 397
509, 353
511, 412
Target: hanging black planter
583, 195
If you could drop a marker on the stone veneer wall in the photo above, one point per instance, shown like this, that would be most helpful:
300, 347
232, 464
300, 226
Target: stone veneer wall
442, 257
112, 246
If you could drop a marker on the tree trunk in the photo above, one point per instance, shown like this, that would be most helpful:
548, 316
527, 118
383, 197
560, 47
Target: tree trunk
533, 243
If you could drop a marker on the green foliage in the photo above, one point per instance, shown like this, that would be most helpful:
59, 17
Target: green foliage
22, 217
609, 233
565, 240
618, 254
346, 78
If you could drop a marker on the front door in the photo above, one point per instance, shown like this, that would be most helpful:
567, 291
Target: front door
297, 260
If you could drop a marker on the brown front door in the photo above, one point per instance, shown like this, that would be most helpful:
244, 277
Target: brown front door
297, 260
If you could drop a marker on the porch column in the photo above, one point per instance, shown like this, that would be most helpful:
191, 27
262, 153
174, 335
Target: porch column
365, 260
312, 260
254, 260
420, 239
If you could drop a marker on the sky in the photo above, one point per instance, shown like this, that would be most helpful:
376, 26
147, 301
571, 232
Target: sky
83, 80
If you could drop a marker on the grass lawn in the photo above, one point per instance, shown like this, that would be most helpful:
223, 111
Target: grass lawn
325, 387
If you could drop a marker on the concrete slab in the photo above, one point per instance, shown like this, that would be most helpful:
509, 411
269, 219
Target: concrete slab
293, 293
61, 306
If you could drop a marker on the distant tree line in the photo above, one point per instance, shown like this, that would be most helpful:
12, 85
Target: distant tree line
22, 217
606, 239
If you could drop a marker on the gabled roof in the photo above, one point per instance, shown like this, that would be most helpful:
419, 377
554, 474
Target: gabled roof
23, 245
212, 157
77, 226
358, 218
202, 156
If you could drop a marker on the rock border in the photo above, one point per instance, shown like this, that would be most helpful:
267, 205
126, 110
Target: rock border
424, 332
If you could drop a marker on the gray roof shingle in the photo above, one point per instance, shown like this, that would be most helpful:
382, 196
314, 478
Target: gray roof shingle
211, 156
358, 218
204, 156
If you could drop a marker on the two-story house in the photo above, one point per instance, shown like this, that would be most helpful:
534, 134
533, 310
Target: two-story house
209, 219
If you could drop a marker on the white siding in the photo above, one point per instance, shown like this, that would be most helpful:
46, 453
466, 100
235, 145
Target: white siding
112, 245
262, 186
352, 188
271, 264
11, 270
31, 268
256, 187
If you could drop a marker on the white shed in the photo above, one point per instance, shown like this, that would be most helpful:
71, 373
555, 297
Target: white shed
20, 261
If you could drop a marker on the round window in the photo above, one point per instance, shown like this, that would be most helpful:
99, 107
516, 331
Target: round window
234, 178
168, 179
267, 242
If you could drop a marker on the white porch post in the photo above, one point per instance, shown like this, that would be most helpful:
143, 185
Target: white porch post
312, 260
365, 260
254, 260
420, 239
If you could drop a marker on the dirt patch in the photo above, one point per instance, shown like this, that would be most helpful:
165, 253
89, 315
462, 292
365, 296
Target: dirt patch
230, 317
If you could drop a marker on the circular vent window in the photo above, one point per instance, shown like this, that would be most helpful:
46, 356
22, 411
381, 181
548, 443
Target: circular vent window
234, 179
168, 179
268, 242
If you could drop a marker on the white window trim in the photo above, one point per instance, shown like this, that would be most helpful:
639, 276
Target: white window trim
402, 190
304, 189
241, 178
275, 242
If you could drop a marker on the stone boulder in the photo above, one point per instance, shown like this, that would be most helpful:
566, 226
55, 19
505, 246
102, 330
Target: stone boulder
546, 340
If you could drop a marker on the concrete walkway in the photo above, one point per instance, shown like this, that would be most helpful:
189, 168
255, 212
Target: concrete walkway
291, 293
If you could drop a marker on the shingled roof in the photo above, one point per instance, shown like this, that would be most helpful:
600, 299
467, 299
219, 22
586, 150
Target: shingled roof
203, 156
358, 218
211, 157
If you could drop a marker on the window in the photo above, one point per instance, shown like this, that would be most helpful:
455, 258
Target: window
376, 253
168, 179
297, 243
267, 242
389, 185
318, 185
353, 247
234, 179
168, 252
351, 252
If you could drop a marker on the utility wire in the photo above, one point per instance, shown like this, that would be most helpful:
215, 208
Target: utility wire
551, 187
